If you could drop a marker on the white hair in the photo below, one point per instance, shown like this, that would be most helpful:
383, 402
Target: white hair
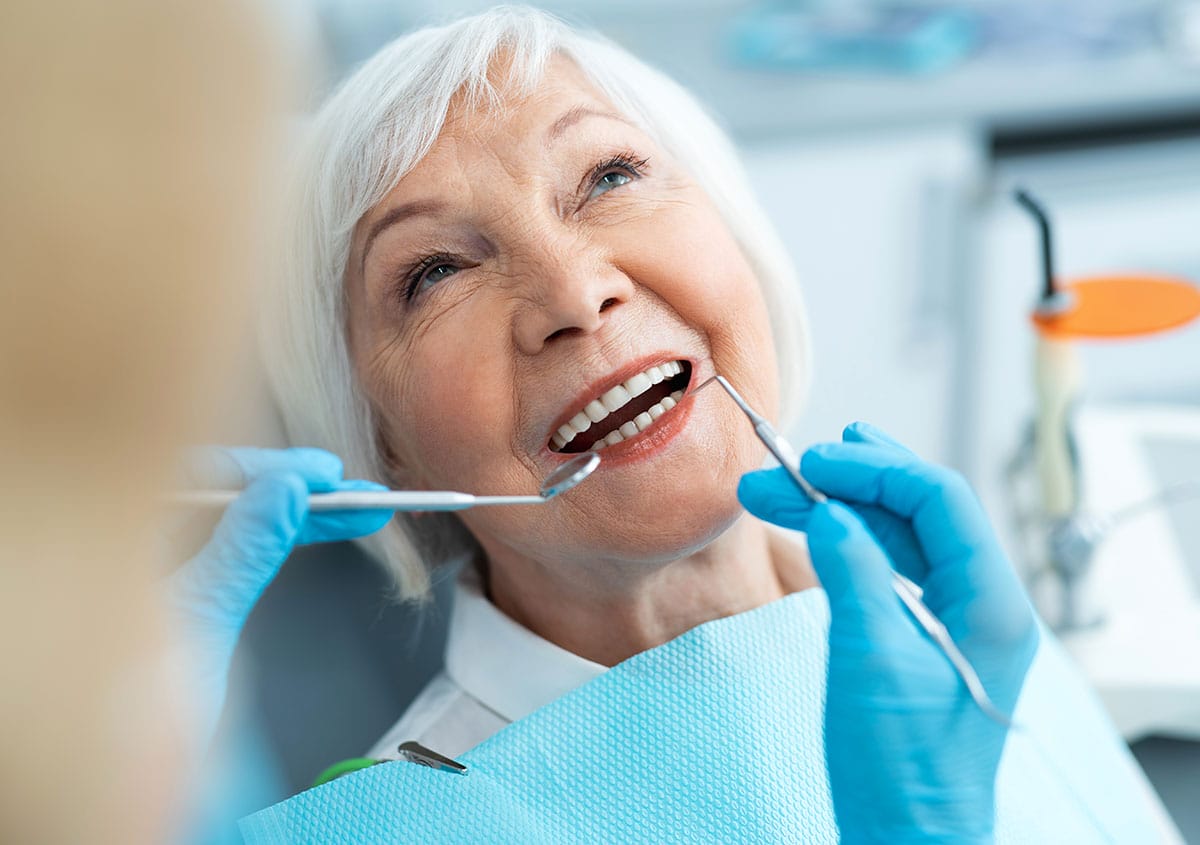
374, 129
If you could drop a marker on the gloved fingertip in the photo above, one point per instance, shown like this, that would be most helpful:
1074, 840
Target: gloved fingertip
829, 468
753, 481
861, 431
814, 458
837, 467
751, 492
771, 495
336, 526
853, 433
318, 463
374, 521
359, 485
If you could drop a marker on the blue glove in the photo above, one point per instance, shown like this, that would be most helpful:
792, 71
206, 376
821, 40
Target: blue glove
213, 593
911, 758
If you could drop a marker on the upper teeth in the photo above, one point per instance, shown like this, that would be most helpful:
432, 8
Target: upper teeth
615, 399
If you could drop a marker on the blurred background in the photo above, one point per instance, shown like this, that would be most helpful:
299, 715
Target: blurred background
885, 140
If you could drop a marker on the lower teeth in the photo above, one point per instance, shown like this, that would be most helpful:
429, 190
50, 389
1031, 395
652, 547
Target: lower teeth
639, 423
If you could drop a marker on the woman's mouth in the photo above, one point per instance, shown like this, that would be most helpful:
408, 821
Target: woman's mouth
625, 410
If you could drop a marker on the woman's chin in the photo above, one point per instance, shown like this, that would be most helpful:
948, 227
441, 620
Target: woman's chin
660, 530
661, 510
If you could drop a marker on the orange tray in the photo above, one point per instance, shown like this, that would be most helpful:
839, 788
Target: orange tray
1122, 306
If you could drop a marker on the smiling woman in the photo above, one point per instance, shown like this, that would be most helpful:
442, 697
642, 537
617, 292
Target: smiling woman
513, 243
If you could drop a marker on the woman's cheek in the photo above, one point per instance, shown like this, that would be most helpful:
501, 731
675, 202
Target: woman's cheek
722, 296
695, 255
458, 411
718, 294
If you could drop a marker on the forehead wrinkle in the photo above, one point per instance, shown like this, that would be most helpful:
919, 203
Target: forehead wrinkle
576, 115
562, 80
485, 124
467, 165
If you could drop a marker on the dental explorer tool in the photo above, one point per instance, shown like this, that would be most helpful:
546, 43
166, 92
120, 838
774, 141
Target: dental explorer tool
566, 476
908, 592
776, 445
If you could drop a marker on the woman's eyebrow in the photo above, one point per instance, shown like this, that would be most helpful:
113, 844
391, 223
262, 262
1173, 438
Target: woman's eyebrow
577, 113
416, 208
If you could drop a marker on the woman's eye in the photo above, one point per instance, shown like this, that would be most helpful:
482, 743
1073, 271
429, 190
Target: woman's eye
427, 274
435, 274
613, 173
608, 181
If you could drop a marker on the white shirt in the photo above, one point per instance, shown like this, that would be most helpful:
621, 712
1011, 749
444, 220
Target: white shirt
497, 671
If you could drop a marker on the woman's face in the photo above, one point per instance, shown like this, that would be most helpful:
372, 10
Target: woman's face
532, 262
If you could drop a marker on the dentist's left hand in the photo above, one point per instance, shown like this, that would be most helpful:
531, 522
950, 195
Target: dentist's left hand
212, 595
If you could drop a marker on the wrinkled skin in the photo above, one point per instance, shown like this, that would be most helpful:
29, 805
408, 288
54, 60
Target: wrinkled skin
556, 267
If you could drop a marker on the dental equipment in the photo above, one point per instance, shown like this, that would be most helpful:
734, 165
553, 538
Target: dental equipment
566, 476
908, 592
1067, 312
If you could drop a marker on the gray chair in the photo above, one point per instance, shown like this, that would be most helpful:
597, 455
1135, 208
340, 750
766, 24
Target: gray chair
329, 662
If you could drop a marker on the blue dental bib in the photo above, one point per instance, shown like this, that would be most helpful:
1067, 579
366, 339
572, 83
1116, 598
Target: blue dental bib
717, 736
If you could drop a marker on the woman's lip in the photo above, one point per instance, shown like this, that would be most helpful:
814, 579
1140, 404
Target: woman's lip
645, 443
600, 386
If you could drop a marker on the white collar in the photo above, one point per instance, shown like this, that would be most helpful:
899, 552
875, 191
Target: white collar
502, 664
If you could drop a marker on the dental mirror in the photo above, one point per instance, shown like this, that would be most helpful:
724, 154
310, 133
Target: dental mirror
569, 474
562, 479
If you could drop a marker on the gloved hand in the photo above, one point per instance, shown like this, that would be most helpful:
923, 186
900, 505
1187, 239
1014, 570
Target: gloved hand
212, 595
911, 758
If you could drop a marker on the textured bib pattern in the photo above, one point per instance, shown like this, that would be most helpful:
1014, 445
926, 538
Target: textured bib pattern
715, 736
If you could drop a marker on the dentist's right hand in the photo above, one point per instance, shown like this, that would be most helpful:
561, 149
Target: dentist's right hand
911, 758
211, 595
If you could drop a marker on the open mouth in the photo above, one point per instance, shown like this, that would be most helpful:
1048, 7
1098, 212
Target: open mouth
624, 411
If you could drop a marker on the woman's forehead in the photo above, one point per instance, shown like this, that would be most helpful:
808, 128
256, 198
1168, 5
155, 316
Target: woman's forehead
516, 132
520, 118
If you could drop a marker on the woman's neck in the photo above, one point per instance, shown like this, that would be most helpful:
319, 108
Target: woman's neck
609, 613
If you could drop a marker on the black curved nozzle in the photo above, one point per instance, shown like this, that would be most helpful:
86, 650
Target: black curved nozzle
1035, 208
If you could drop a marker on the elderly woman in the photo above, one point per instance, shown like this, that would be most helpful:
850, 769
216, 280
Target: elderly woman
516, 245
512, 244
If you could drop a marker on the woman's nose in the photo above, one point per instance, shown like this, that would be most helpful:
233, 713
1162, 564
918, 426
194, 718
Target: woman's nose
569, 302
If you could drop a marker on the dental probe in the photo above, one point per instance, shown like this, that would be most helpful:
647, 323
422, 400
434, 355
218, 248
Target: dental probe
908, 592
776, 445
566, 476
